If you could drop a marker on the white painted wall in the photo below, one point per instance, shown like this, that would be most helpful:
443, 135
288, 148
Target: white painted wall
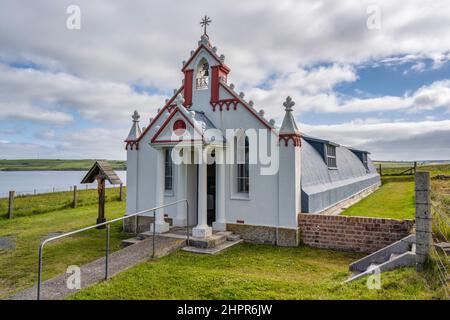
261, 206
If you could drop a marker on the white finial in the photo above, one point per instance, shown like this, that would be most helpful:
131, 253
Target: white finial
151, 119
159, 109
232, 86
180, 100
135, 116
222, 58
288, 104
192, 113
183, 63
251, 103
192, 53
241, 95
272, 122
214, 49
261, 113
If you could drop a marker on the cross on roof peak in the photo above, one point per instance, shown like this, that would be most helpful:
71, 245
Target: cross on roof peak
135, 116
206, 21
288, 104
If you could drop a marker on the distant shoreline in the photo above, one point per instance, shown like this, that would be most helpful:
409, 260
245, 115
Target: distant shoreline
54, 165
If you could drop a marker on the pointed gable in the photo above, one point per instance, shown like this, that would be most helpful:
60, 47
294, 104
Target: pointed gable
178, 126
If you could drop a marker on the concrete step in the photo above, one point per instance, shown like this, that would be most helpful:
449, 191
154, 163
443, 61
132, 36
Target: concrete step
210, 242
131, 241
225, 245
233, 237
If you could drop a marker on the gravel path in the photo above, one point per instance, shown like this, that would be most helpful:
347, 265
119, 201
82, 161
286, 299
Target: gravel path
91, 273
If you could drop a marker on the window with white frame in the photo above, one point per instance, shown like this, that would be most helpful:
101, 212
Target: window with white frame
331, 156
202, 75
168, 170
242, 163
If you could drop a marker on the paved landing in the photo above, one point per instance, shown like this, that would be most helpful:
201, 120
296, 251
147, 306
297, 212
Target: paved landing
91, 273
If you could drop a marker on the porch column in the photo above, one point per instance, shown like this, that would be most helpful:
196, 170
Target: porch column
160, 225
220, 223
180, 219
202, 230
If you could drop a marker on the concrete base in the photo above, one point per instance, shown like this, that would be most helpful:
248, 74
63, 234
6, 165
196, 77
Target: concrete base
202, 231
160, 227
219, 226
399, 254
179, 222
216, 249
282, 237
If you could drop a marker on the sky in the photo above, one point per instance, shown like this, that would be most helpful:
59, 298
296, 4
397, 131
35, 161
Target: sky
373, 75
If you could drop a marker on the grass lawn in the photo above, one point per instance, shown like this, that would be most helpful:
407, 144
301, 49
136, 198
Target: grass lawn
54, 164
394, 199
250, 271
29, 205
18, 268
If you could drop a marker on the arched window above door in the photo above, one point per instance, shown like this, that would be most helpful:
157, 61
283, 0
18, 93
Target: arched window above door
202, 75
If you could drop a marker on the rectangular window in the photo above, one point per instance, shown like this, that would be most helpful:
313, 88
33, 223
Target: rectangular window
364, 160
168, 170
331, 156
242, 165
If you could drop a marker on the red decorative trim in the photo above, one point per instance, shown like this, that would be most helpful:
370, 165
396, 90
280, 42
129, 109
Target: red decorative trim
261, 119
210, 52
226, 102
153, 140
296, 140
171, 107
179, 127
215, 84
132, 144
188, 78
167, 106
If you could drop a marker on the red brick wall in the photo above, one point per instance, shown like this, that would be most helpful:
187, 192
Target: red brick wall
357, 234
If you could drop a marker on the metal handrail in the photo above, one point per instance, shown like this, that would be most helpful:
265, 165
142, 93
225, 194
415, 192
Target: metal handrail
107, 223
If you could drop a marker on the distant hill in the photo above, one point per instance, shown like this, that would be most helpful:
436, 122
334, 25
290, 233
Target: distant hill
54, 164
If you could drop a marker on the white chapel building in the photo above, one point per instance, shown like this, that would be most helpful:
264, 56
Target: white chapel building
205, 145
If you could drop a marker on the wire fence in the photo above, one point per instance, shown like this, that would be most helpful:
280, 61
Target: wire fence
441, 234
37, 191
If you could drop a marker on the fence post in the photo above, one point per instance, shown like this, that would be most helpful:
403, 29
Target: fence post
12, 194
120, 192
380, 172
423, 218
74, 201
415, 167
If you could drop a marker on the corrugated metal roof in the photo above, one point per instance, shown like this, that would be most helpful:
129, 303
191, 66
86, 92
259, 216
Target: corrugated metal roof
323, 187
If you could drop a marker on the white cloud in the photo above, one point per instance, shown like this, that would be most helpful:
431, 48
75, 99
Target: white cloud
35, 95
270, 46
147, 40
423, 140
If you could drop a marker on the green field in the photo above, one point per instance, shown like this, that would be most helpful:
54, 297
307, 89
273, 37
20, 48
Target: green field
250, 271
54, 164
394, 199
30, 205
243, 272
18, 268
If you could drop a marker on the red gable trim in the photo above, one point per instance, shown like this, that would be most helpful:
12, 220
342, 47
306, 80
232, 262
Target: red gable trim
210, 52
160, 113
177, 110
262, 120
295, 137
